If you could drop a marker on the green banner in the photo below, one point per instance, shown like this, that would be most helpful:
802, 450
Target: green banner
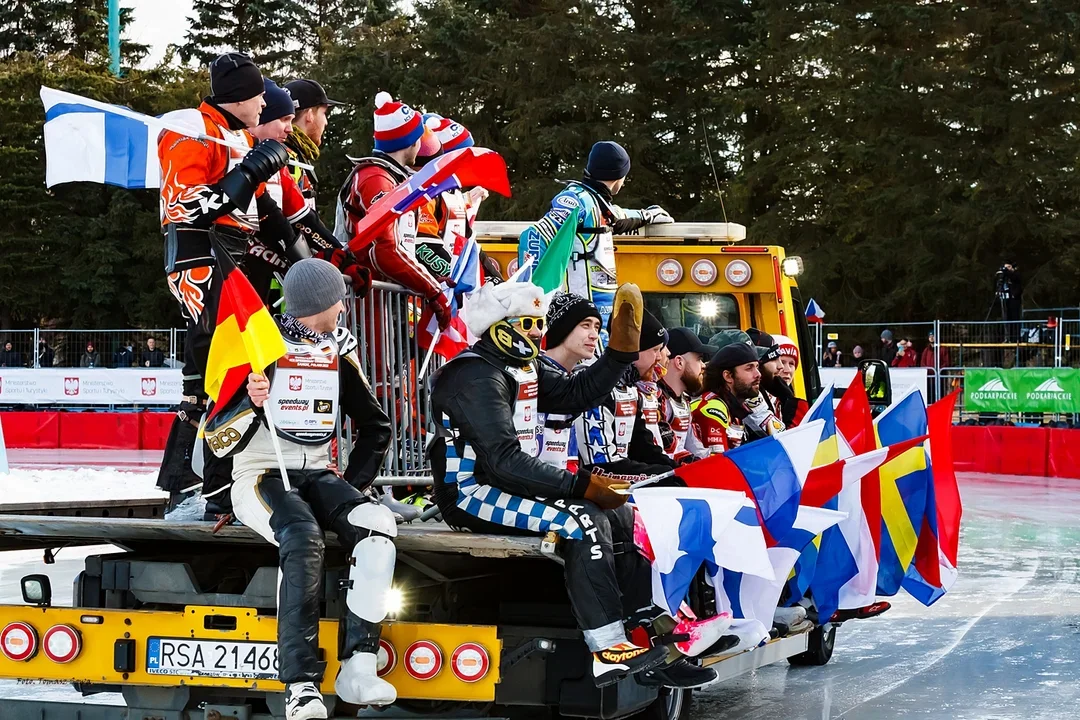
1052, 390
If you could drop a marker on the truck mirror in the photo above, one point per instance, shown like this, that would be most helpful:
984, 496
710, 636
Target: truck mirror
37, 590
875, 377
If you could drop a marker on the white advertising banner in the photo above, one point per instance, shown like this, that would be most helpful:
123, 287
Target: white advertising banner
91, 386
900, 378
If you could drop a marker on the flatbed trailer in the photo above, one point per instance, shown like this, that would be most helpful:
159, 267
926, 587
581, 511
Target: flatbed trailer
182, 583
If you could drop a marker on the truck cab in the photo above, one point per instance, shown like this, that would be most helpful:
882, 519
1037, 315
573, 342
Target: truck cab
704, 276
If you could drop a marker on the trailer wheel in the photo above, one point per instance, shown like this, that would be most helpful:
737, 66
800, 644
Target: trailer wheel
670, 704
819, 647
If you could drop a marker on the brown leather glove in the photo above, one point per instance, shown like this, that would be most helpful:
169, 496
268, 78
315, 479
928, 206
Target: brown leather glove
626, 314
602, 487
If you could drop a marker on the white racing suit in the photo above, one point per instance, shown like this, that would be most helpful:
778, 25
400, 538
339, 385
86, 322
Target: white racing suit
318, 378
591, 273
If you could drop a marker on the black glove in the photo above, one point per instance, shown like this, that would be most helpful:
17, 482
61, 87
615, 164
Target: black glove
258, 166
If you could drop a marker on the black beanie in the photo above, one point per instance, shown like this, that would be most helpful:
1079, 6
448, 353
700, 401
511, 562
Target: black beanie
234, 78
567, 310
279, 102
652, 332
607, 161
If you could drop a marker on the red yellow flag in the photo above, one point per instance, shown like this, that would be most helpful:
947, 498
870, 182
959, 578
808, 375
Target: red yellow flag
245, 338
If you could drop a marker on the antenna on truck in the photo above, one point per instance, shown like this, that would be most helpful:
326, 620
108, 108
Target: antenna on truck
712, 166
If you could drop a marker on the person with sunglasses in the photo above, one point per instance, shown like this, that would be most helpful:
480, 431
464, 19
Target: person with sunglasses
489, 477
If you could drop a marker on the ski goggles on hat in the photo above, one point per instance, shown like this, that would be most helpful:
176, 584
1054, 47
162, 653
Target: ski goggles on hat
527, 323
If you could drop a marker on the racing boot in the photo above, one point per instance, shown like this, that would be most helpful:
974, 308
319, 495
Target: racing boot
792, 620
681, 674
863, 613
358, 683
701, 634
303, 701
612, 665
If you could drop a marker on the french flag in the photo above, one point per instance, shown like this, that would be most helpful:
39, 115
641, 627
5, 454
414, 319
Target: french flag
770, 471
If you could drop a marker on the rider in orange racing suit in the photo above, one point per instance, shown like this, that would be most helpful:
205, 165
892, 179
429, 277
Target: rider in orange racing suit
208, 188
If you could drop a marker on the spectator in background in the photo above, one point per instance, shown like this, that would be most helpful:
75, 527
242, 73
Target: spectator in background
125, 356
10, 357
857, 354
905, 355
45, 355
151, 356
888, 347
927, 358
832, 357
91, 358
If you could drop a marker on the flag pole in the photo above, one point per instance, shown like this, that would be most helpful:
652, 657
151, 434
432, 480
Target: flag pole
431, 351
276, 442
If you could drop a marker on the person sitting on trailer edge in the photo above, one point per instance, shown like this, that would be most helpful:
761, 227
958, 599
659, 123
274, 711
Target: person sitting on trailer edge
489, 477
318, 377
731, 378
682, 382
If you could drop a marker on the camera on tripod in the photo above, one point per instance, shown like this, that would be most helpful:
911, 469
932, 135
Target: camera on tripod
1004, 281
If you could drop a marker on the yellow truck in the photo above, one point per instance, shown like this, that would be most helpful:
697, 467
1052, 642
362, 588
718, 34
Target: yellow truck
180, 622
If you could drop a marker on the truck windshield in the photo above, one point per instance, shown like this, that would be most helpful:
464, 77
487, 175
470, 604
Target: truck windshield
704, 313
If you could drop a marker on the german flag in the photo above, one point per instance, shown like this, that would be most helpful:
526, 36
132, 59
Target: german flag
245, 336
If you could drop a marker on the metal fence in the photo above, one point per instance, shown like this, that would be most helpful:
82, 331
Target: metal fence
385, 324
1042, 341
47, 347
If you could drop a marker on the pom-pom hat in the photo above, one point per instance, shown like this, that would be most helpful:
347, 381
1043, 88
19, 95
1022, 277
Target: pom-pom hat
397, 126
452, 135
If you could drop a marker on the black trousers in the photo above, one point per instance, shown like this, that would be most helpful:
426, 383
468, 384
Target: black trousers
319, 500
604, 586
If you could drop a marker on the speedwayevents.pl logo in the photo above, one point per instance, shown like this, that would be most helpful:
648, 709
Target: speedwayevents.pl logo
993, 390
1050, 390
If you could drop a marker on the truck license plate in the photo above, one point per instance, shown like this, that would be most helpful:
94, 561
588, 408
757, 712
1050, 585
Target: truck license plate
212, 658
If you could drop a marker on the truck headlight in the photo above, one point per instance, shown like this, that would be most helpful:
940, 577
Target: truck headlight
792, 266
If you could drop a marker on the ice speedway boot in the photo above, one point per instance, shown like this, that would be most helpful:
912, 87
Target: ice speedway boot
700, 634
681, 674
612, 665
792, 620
303, 701
358, 683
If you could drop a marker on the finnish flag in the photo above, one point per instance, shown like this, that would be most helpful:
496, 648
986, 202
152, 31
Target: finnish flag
90, 141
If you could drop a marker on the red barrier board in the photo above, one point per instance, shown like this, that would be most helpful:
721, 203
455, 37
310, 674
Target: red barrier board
31, 429
154, 429
99, 431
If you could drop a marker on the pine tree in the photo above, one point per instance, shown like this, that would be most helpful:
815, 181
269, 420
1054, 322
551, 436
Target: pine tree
32, 26
270, 31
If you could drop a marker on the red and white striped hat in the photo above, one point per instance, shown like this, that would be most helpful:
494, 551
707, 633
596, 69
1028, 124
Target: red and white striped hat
397, 125
452, 135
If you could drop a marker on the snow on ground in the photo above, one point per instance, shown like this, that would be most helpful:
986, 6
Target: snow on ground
80, 484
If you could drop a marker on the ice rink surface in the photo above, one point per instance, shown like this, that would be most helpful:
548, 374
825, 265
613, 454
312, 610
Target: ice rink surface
1004, 643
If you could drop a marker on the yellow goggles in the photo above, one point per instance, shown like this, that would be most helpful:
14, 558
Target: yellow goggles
528, 323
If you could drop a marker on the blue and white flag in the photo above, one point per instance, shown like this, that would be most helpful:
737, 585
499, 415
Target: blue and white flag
90, 141
687, 527
752, 599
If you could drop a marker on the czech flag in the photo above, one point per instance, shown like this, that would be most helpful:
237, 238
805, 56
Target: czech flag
246, 338
814, 313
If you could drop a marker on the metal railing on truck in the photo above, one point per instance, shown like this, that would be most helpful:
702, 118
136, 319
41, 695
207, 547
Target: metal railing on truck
385, 324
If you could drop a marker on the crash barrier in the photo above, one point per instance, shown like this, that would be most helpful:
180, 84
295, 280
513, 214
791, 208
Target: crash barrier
385, 323
86, 430
45, 347
1007, 450
90, 386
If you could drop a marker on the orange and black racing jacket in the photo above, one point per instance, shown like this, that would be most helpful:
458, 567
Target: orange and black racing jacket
192, 202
